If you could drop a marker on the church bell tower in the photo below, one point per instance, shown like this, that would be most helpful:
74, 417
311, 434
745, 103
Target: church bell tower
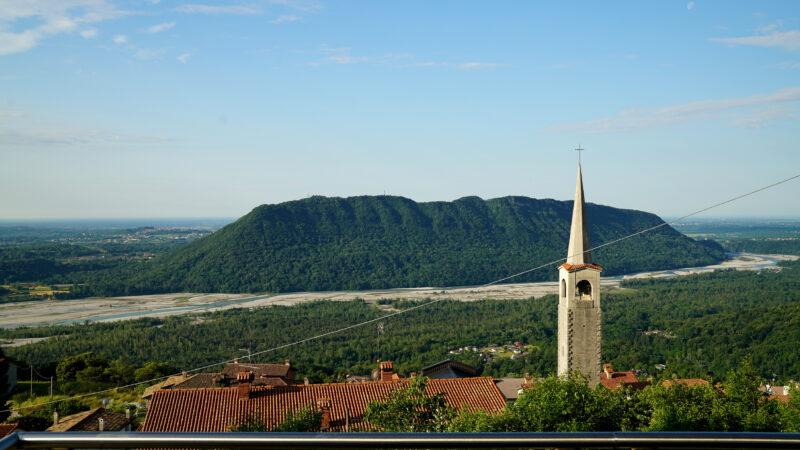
579, 312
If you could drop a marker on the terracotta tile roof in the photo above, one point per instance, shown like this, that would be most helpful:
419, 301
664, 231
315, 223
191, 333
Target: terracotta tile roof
259, 370
686, 381
216, 409
572, 267
783, 398
89, 421
614, 380
7, 428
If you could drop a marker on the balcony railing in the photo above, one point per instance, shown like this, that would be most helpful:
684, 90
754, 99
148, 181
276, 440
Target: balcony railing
674, 440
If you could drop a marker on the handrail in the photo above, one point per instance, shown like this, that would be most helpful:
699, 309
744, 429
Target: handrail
677, 440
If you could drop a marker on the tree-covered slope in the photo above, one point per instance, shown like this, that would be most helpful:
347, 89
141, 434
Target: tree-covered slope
373, 242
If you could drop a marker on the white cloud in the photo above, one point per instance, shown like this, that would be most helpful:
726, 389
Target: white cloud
120, 39
72, 136
759, 117
300, 5
635, 119
789, 65
89, 33
148, 54
183, 58
789, 40
216, 9
160, 27
285, 18
340, 55
40, 19
478, 65
690, 5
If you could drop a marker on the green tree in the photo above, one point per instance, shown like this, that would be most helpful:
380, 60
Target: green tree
69, 367
411, 409
304, 419
567, 403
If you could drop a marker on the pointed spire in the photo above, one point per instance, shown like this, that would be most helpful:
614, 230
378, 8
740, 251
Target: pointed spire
579, 231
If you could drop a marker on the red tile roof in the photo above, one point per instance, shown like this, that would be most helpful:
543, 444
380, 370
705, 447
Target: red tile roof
7, 428
614, 380
217, 408
573, 267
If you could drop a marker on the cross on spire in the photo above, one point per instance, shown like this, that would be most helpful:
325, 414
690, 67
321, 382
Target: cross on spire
579, 150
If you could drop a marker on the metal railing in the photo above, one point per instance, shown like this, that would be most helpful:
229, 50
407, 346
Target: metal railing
650, 440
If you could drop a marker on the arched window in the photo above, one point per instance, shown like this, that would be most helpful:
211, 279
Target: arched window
583, 290
563, 288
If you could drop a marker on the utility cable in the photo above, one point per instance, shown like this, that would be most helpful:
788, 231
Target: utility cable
386, 316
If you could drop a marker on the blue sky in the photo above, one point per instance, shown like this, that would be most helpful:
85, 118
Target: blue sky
114, 109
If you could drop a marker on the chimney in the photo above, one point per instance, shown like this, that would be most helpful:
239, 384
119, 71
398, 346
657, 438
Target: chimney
386, 371
413, 374
607, 370
324, 405
236, 360
243, 378
244, 391
55, 417
100, 424
287, 362
305, 381
128, 412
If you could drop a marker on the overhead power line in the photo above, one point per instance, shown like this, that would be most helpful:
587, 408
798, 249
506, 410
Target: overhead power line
397, 313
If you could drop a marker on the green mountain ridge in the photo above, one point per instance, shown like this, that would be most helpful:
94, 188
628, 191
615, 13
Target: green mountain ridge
376, 242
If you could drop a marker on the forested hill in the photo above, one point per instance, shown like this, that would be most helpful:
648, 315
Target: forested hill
371, 242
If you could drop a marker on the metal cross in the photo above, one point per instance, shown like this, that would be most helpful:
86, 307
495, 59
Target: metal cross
579, 150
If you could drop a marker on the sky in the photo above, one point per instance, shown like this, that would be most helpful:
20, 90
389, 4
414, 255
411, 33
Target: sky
131, 109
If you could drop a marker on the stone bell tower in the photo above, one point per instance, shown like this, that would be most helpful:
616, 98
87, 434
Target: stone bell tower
579, 312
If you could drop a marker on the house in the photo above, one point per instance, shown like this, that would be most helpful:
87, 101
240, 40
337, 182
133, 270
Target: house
343, 404
449, 369
98, 419
263, 374
614, 380
511, 388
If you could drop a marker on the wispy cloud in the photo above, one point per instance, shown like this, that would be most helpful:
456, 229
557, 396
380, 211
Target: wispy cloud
398, 55
300, 5
184, 57
37, 20
752, 109
478, 65
160, 27
146, 54
218, 9
67, 137
120, 39
789, 40
789, 65
690, 6
89, 33
338, 55
759, 117
285, 19
461, 66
